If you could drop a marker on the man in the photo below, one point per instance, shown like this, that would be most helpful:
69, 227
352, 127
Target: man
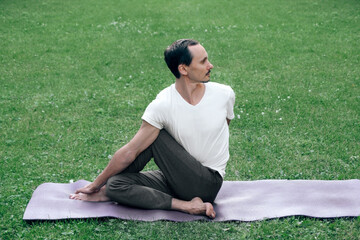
185, 129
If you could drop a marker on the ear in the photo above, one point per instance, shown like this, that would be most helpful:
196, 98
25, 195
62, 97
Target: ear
183, 69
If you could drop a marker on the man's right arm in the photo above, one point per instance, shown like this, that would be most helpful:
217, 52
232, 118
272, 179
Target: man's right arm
124, 156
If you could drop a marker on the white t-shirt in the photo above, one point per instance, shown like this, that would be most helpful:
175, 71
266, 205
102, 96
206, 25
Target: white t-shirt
201, 129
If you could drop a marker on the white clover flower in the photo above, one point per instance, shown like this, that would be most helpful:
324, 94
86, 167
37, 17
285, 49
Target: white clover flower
238, 116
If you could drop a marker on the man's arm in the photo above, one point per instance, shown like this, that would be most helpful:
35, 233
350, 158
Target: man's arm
124, 156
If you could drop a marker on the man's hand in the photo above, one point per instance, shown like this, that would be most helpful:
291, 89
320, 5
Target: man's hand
88, 189
90, 193
228, 121
123, 157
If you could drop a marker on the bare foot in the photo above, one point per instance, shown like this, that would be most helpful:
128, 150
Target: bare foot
195, 206
92, 197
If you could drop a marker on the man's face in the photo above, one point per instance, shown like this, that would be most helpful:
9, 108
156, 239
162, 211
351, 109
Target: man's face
199, 68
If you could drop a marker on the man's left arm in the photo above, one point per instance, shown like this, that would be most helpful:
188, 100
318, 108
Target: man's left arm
230, 106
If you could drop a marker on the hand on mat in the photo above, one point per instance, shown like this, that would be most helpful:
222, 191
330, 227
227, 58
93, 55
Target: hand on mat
90, 193
88, 189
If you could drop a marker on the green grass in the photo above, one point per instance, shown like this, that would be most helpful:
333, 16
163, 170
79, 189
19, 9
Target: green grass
76, 76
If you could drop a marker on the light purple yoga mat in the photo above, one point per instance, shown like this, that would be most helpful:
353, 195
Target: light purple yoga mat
237, 200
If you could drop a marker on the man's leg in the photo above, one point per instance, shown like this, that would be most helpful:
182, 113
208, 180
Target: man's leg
186, 177
181, 176
147, 190
115, 193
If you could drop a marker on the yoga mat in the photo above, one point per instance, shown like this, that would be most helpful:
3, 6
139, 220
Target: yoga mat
237, 200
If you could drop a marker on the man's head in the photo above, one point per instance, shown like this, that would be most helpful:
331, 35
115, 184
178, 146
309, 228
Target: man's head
178, 53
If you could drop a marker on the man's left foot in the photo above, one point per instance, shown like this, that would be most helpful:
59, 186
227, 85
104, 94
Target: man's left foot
93, 197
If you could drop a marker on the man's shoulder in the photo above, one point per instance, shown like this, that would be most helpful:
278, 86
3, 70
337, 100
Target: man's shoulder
165, 93
163, 97
219, 87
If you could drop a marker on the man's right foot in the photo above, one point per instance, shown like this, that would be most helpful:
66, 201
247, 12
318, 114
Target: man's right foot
196, 206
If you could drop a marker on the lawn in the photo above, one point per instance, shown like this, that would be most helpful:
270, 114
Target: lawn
76, 76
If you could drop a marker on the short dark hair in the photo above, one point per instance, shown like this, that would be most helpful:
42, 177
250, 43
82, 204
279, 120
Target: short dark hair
178, 53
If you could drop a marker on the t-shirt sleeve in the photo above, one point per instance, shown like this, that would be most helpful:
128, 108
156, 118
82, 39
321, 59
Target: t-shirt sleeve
154, 114
230, 105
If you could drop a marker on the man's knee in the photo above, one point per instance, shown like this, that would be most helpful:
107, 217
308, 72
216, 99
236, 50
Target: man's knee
115, 185
165, 141
109, 187
163, 134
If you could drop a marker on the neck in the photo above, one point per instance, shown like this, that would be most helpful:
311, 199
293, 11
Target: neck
190, 91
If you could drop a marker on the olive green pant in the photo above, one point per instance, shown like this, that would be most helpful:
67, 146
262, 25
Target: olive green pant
180, 176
